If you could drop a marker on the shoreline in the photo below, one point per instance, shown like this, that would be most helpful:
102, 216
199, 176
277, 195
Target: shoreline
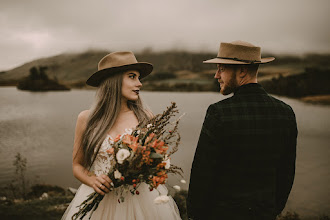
53, 204
312, 99
317, 99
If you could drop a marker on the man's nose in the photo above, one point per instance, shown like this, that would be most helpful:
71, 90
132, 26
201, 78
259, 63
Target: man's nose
217, 75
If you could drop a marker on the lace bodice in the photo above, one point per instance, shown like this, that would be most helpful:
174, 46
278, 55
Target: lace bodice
102, 164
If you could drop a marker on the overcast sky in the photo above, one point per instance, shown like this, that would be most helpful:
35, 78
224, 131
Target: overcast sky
32, 29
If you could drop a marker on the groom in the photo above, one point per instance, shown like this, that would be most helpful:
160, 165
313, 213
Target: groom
244, 163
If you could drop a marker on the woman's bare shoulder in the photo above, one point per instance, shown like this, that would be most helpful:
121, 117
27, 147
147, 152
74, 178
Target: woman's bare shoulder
83, 116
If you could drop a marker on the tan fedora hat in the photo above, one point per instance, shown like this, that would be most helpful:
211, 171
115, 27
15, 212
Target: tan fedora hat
239, 52
118, 62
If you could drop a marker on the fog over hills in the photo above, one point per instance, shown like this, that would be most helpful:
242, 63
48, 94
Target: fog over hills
74, 67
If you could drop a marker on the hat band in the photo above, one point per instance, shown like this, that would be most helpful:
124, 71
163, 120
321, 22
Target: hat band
236, 59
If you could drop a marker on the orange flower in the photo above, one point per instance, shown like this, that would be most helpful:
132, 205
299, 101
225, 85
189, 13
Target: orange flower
161, 173
154, 144
110, 151
159, 146
127, 139
133, 146
117, 138
161, 165
162, 150
161, 143
150, 137
156, 180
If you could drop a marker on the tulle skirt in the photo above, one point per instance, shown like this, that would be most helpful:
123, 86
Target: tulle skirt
134, 207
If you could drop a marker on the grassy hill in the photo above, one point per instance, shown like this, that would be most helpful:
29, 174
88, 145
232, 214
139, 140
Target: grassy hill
65, 67
173, 70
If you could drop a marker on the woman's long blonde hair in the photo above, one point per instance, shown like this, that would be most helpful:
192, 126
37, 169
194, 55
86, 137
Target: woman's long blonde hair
104, 114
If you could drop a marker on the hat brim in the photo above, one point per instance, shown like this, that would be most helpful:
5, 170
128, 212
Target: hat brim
229, 61
98, 77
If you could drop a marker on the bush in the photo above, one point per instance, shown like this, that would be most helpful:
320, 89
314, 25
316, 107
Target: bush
38, 189
160, 76
180, 199
51, 208
312, 82
38, 80
288, 216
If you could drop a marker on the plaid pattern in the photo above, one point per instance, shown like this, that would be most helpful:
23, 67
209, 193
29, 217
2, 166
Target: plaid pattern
244, 162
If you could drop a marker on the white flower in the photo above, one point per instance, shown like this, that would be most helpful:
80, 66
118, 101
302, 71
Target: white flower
161, 199
149, 125
44, 196
128, 131
121, 155
183, 181
177, 187
167, 163
138, 131
117, 174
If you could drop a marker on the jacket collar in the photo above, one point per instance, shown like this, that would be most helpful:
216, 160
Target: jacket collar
251, 88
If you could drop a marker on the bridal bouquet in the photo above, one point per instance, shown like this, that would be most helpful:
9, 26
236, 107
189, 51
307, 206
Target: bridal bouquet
142, 156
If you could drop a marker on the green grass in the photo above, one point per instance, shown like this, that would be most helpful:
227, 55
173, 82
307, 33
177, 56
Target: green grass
51, 208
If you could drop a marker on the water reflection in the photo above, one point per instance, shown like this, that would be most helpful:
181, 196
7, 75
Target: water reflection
41, 127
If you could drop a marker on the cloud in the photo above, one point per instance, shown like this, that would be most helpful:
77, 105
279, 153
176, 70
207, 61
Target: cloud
42, 28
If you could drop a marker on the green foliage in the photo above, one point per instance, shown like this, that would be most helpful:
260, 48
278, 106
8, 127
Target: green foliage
34, 73
38, 189
180, 199
38, 74
18, 187
313, 81
20, 164
171, 61
182, 86
288, 216
74, 67
38, 80
181, 196
21, 202
160, 76
51, 208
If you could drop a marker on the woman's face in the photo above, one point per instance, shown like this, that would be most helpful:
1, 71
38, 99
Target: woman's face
131, 85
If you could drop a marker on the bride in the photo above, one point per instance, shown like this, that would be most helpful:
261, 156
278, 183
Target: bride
117, 109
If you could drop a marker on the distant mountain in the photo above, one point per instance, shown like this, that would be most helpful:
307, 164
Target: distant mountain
73, 69
64, 67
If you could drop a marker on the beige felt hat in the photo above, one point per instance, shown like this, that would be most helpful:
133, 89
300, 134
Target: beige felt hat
239, 52
118, 62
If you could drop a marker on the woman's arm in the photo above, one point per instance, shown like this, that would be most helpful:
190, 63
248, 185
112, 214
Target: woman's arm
101, 184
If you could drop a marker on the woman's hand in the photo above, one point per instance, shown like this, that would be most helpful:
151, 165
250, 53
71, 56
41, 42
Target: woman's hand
101, 184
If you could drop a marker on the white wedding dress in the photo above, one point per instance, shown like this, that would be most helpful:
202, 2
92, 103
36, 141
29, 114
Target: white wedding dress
134, 207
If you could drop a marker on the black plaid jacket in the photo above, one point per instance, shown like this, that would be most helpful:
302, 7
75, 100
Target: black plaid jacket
244, 162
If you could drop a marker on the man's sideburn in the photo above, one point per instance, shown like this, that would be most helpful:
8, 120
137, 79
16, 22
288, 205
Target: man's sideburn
232, 84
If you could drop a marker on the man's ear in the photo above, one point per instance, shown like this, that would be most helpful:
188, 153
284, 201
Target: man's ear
243, 71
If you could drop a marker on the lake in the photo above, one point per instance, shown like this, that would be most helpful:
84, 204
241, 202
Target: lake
40, 126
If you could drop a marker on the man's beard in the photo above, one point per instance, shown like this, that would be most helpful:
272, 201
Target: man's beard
230, 87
